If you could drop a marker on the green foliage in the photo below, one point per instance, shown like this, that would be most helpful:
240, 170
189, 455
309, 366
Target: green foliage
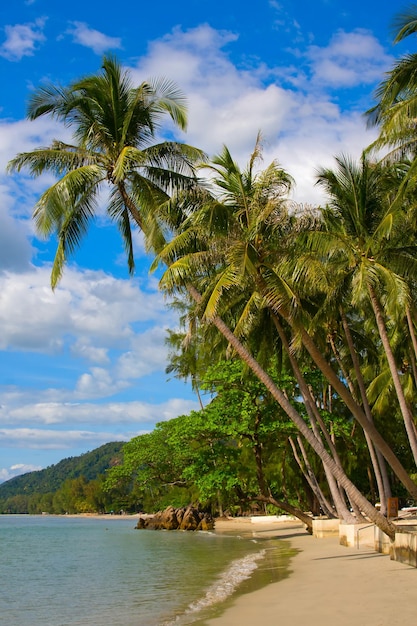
220, 457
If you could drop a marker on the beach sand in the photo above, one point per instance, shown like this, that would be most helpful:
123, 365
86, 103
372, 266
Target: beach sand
328, 584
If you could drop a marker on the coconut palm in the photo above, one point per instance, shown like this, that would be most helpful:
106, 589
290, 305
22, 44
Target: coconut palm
396, 109
229, 245
114, 152
251, 252
365, 240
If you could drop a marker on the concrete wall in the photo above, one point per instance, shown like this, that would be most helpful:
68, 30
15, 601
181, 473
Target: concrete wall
404, 548
382, 541
268, 519
325, 528
354, 535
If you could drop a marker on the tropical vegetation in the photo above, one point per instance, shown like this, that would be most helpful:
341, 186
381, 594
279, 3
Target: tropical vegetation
301, 325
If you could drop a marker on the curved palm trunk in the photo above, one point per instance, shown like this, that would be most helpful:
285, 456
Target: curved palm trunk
413, 353
311, 477
288, 508
200, 401
131, 206
358, 414
411, 330
352, 491
371, 448
315, 417
407, 417
257, 450
378, 461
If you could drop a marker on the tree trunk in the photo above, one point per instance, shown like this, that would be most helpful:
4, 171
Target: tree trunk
378, 461
411, 330
358, 414
315, 417
288, 508
374, 515
312, 481
407, 417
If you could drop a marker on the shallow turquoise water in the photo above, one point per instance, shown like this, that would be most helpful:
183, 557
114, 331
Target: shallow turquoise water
70, 571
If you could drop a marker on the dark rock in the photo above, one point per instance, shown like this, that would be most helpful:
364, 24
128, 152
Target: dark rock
191, 519
188, 518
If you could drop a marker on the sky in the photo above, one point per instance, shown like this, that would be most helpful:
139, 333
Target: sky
85, 364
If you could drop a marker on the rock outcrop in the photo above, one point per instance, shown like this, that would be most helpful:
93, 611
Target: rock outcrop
188, 518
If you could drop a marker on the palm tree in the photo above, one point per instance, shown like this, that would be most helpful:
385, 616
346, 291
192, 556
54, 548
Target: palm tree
229, 245
365, 241
252, 253
114, 128
396, 109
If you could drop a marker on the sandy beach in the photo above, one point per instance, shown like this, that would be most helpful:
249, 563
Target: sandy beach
328, 585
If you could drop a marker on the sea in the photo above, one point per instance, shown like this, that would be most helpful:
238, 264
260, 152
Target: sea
67, 571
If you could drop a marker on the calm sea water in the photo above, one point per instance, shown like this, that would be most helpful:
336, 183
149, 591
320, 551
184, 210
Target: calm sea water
59, 571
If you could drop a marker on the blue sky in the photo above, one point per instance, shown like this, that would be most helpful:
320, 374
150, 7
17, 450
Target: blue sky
86, 364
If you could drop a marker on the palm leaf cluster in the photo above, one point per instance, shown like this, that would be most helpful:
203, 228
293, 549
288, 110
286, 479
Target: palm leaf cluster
114, 153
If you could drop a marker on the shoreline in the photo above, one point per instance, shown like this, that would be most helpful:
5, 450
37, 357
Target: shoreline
327, 584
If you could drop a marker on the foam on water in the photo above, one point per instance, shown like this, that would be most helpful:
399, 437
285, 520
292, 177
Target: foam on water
229, 581
239, 570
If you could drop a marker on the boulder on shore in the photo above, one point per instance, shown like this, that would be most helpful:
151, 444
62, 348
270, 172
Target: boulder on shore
185, 518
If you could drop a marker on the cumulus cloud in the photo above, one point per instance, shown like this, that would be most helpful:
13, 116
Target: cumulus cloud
19, 192
148, 354
91, 309
6, 473
26, 135
98, 383
94, 39
22, 39
302, 125
350, 59
16, 251
84, 349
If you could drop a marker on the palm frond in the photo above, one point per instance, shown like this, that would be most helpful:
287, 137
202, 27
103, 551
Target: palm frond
77, 188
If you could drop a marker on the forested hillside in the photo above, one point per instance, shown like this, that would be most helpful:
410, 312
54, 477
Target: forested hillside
89, 468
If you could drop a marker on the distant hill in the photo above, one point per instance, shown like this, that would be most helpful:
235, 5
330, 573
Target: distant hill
90, 465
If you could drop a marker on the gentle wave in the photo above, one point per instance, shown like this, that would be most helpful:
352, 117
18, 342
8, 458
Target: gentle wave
238, 571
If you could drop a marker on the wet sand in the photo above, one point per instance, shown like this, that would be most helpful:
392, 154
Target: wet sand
328, 585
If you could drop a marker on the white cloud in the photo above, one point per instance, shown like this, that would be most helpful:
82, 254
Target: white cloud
15, 248
88, 308
98, 383
84, 349
94, 39
350, 59
6, 473
19, 192
22, 39
36, 438
110, 413
148, 354
303, 127
26, 135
